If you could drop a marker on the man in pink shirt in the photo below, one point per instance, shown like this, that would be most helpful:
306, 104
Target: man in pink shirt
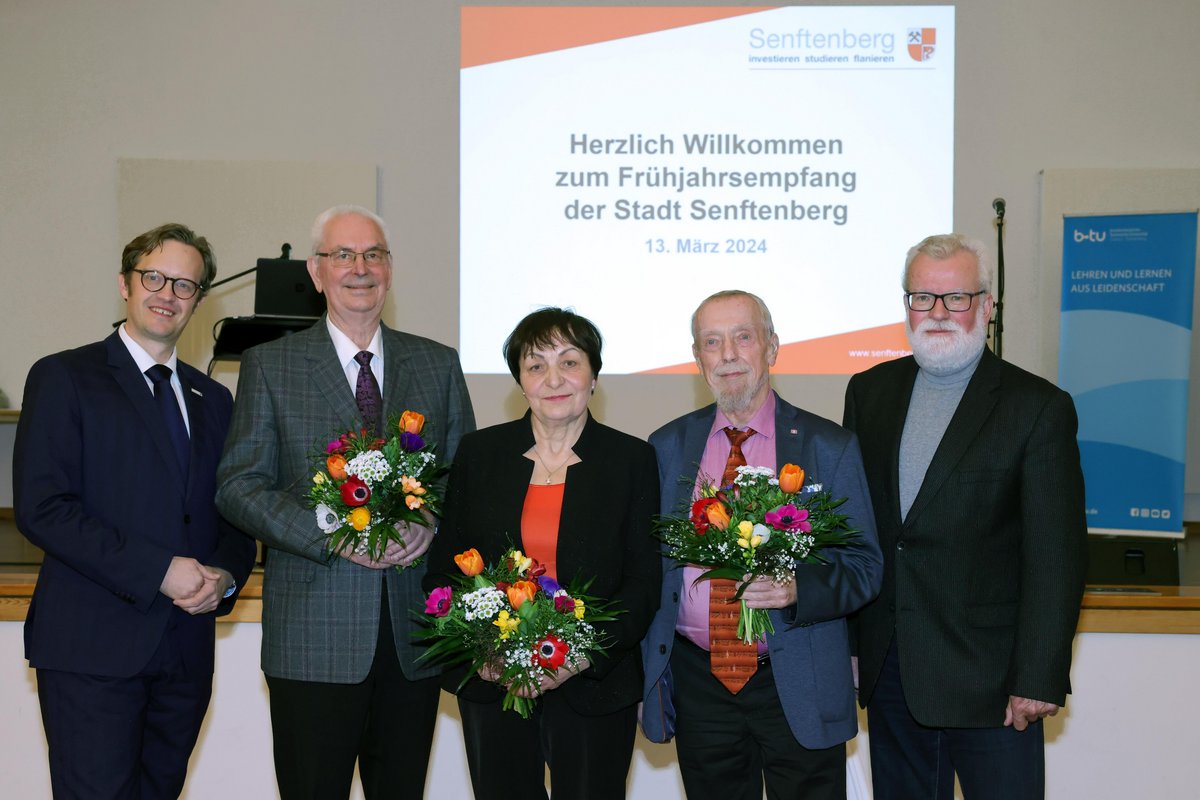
789, 723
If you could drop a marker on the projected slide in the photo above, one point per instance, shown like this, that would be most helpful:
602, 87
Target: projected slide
628, 162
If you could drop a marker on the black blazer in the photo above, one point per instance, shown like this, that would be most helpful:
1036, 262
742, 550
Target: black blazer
97, 486
982, 581
605, 534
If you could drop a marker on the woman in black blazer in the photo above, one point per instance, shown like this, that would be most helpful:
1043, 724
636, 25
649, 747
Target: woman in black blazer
507, 485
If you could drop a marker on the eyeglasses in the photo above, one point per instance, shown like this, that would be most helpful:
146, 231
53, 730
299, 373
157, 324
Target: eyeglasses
154, 281
953, 301
375, 257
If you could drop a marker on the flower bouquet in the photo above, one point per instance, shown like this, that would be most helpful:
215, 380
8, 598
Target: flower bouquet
762, 525
364, 486
513, 619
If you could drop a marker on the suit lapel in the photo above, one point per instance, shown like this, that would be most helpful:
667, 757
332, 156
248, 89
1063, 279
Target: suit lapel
694, 438
790, 437
976, 406
329, 376
893, 402
397, 377
141, 398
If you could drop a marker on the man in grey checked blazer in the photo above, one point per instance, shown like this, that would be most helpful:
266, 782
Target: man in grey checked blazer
337, 632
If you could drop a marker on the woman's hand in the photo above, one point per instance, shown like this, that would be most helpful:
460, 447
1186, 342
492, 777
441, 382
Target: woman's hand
557, 679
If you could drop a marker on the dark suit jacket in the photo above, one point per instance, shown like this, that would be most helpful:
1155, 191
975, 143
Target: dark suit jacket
983, 579
321, 615
99, 489
609, 503
810, 649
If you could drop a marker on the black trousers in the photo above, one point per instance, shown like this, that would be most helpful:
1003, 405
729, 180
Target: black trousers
384, 723
588, 756
729, 745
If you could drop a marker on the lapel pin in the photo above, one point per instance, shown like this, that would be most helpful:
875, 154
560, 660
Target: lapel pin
196, 391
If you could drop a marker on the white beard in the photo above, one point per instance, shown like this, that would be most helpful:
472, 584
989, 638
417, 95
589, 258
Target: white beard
942, 354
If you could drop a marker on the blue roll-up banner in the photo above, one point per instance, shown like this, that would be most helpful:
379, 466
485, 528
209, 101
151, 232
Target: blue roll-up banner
1123, 356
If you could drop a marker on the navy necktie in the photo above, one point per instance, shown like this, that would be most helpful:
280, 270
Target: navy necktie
168, 406
367, 394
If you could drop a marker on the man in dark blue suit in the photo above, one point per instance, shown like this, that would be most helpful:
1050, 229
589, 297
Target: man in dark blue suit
789, 722
114, 473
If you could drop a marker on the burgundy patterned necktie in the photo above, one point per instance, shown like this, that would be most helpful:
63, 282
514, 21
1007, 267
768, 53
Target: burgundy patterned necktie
366, 393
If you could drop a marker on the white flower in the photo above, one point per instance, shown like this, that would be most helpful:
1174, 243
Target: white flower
762, 532
371, 467
327, 519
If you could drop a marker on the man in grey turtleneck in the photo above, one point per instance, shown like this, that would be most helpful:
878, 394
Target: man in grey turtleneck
978, 494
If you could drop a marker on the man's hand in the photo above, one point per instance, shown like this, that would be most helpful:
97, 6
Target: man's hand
1022, 712
185, 577
764, 592
417, 539
195, 588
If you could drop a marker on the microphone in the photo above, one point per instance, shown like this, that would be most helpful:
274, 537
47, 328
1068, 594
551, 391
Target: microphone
998, 207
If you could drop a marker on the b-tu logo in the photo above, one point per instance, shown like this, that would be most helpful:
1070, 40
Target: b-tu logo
1090, 236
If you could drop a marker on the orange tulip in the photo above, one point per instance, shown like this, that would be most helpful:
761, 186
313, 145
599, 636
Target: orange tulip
521, 591
411, 422
336, 465
718, 516
470, 562
791, 478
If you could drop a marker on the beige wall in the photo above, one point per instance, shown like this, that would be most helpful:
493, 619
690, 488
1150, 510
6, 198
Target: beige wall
1041, 84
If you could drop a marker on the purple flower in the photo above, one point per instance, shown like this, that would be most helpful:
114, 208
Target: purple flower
333, 447
411, 442
788, 518
438, 602
549, 585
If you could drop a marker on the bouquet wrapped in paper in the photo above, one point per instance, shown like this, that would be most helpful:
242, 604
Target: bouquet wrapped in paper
515, 621
364, 486
761, 525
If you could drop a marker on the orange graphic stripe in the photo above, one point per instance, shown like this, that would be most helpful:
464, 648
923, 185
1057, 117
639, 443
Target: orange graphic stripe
843, 354
500, 33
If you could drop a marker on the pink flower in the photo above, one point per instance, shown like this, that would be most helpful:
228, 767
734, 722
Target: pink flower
438, 602
788, 518
564, 604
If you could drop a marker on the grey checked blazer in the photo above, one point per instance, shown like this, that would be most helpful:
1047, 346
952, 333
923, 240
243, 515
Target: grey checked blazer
321, 616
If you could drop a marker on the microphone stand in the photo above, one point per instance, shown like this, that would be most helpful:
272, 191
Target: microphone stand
998, 205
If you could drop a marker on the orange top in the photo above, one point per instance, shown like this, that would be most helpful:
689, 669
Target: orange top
539, 524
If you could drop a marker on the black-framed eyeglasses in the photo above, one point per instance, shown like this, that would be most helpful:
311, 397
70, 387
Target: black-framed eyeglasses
154, 281
953, 301
375, 257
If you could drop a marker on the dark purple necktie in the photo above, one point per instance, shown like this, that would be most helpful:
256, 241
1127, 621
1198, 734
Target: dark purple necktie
366, 393
168, 406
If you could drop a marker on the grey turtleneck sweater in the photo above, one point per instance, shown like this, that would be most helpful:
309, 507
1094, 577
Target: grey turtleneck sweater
933, 403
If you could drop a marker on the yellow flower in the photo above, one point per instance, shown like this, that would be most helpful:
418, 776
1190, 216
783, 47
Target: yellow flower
579, 609
319, 478
745, 528
506, 624
359, 518
521, 562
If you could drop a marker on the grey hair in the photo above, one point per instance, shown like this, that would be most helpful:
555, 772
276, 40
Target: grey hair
946, 245
323, 219
763, 312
